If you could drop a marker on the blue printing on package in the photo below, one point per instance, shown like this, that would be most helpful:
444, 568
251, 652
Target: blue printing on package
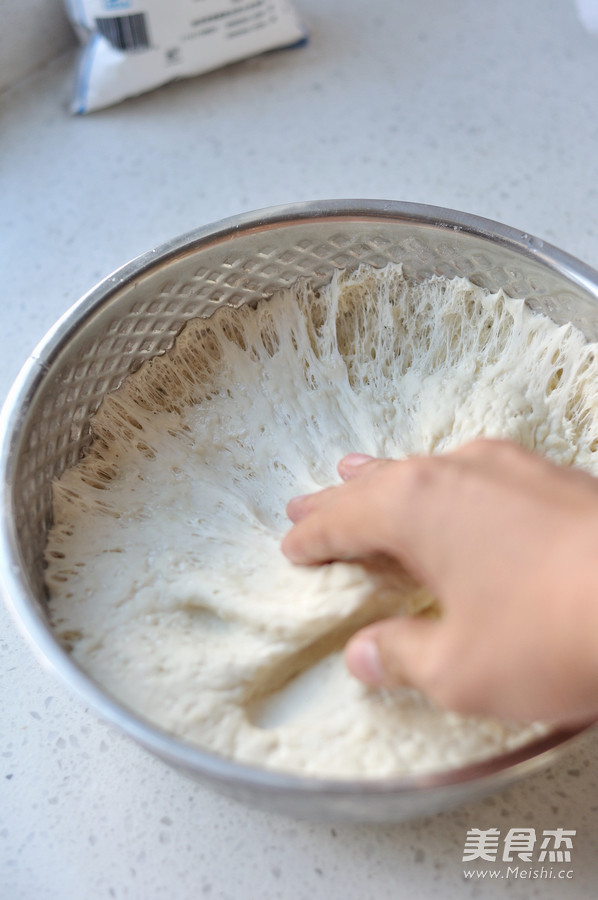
86, 60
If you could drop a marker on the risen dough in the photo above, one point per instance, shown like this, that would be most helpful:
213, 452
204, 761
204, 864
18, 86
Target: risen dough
164, 563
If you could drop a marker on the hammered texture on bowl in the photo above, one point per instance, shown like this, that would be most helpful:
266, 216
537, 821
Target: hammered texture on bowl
132, 318
137, 313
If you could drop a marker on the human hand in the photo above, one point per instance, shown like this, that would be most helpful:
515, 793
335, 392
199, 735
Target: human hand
507, 542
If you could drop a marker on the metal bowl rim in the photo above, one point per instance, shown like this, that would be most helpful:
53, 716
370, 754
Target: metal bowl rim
35, 628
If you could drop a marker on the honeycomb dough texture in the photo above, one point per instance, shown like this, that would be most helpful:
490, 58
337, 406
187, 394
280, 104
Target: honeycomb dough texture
163, 563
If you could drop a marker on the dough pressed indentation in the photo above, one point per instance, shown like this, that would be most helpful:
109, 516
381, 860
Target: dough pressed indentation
164, 568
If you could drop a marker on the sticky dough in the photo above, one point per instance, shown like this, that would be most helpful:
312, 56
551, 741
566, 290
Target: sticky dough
164, 566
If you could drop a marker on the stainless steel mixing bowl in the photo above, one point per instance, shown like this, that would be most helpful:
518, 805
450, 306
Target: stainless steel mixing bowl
135, 314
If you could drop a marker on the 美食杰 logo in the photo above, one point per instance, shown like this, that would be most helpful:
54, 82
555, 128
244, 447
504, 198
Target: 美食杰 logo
524, 852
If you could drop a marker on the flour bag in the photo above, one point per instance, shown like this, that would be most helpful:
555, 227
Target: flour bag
132, 46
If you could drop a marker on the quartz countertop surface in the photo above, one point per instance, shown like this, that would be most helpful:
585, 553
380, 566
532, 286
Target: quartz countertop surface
491, 108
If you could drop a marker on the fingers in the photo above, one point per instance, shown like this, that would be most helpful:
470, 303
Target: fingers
427, 655
353, 465
349, 467
382, 508
423, 654
395, 652
342, 522
299, 507
505, 541
338, 532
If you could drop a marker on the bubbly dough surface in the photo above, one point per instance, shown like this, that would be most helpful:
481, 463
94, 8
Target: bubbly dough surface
164, 566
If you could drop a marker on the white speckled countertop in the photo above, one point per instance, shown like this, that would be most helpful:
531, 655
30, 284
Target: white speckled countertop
487, 107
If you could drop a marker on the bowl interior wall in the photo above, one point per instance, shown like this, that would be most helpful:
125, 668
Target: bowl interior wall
139, 313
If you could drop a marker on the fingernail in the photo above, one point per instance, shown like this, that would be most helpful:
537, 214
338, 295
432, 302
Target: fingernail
363, 661
299, 498
295, 508
356, 459
348, 466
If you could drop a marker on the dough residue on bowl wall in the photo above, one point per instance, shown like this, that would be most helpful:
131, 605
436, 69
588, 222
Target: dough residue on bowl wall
164, 567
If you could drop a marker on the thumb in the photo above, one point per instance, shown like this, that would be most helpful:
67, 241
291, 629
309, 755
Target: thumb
397, 651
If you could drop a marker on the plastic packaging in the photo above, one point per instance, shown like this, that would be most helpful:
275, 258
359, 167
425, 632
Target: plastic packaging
588, 13
132, 46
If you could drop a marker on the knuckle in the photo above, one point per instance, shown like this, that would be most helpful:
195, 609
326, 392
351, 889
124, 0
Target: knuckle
425, 480
481, 446
489, 449
418, 475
